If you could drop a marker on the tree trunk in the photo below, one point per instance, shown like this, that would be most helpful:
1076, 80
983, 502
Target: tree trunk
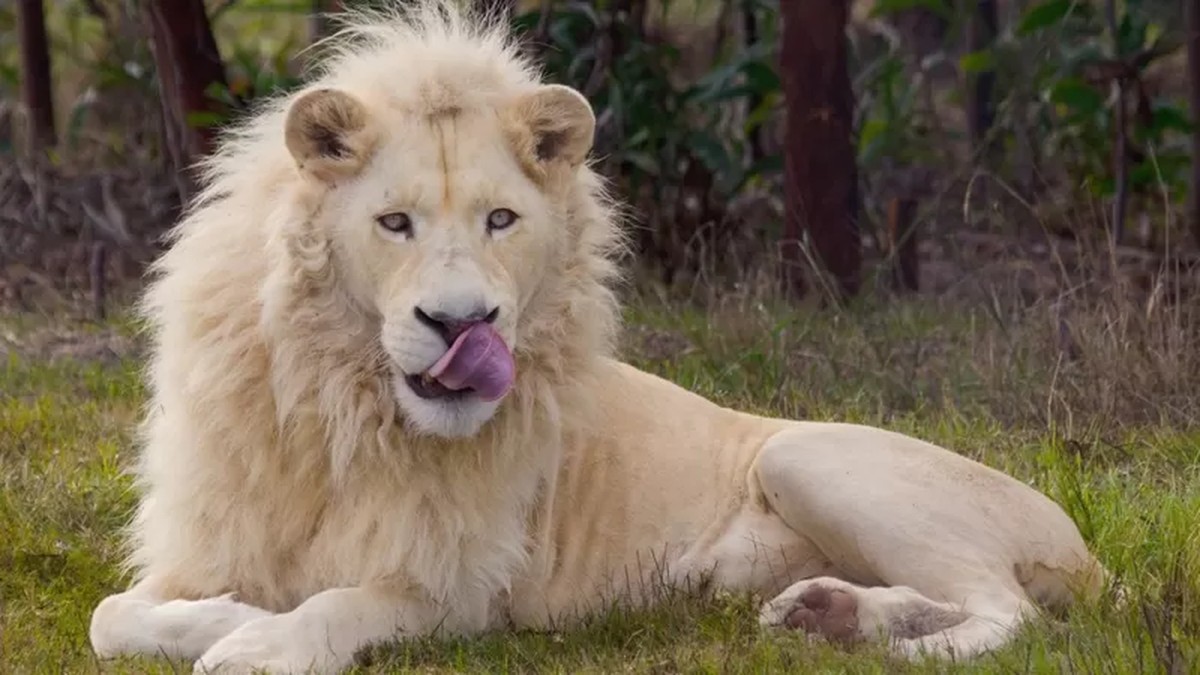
1120, 152
1192, 8
820, 190
980, 109
187, 63
36, 88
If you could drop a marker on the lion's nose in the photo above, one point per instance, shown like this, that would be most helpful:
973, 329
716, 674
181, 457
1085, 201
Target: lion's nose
450, 326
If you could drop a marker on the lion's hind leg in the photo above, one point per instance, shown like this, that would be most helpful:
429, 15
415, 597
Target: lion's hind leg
140, 621
911, 623
926, 545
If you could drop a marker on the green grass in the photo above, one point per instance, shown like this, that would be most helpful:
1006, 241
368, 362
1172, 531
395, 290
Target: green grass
1124, 465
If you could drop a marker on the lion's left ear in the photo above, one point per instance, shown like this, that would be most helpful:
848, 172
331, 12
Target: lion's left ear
561, 122
329, 134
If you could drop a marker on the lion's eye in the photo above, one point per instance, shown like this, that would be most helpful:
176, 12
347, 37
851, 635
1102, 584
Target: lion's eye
500, 219
397, 222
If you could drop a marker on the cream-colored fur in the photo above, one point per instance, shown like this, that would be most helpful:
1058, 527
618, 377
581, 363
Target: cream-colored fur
299, 501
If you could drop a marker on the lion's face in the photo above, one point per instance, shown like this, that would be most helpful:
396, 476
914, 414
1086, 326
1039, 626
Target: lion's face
443, 224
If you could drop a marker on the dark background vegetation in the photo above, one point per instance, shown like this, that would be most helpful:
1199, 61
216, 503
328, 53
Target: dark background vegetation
841, 148
1019, 170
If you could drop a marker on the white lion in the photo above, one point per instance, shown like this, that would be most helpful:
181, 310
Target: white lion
383, 403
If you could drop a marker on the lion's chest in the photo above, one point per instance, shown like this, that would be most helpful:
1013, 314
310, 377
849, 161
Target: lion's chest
454, 540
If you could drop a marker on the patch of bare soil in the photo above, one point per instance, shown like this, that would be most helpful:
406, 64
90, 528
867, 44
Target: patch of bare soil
67, 341
655, 344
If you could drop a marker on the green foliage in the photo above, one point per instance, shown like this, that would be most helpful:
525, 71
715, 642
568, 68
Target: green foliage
652, 125
895, 122
887, 7
1054, 65
250, 77
106, 49
892, 127
1046, 14
1062, 53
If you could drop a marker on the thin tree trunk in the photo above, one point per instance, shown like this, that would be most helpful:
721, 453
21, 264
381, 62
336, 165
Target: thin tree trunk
750, 28
902, 243
1120, 155
96, 268
820, 191
980, 105
1192, 8
187, 63
36, 84
6, 132
318, 22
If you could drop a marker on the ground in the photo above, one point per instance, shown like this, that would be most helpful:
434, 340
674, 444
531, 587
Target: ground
1096, 424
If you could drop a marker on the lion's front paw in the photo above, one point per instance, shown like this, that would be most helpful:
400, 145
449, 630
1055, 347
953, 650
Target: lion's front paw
269, 645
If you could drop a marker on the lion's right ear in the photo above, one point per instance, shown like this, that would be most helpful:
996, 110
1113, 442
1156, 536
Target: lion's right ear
329, 134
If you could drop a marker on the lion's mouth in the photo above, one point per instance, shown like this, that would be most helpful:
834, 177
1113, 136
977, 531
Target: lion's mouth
425, 386
478, 363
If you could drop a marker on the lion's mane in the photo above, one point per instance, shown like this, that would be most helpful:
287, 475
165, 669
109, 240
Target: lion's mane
268, 390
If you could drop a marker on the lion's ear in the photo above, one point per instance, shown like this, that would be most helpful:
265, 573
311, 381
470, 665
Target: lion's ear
561, 122
329, 134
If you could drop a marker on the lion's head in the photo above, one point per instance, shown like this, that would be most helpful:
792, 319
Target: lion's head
450, 190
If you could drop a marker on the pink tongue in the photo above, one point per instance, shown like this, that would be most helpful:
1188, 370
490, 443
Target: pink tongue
478, 360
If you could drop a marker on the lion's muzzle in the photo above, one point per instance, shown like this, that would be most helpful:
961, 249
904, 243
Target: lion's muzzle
478, 361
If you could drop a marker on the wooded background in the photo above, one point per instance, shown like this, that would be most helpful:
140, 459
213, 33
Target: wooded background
834, 147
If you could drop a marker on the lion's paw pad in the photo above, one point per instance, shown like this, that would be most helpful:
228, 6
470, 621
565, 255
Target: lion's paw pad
829, 612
